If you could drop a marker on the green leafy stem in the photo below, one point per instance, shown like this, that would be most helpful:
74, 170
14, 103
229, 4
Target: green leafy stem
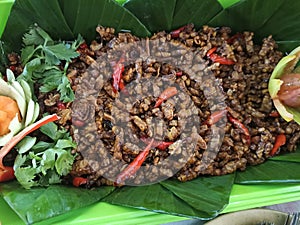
43, 163
41, 57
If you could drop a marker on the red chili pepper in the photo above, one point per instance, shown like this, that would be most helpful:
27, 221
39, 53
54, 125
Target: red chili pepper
234, 37
166, 94
7, 173
134, 166
211, 51
221, 60
117, 75
274, 114
175, 33
61, 106
12, 68
238, 124
279, 141
161, 145
179, 73
78, 181
218, 59
83, 46
215, 117
121, 84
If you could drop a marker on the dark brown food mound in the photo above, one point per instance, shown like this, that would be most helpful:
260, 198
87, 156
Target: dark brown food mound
222, 94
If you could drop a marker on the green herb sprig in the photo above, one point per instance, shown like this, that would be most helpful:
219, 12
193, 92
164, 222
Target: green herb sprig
43, 163
42, 58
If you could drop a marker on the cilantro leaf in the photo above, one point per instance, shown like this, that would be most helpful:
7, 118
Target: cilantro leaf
27, 53
50, 129
42, 146
51, 80
25, 174
47, 161
42, 58
64, 162
66, 92
50, 178
65, 143
33, 38
36, 36
62, 52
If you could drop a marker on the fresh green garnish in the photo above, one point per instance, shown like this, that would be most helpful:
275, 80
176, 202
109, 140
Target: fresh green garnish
41, 163
44, 162
41, 57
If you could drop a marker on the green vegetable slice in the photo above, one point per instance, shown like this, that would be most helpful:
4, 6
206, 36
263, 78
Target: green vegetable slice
26, 144
27, 107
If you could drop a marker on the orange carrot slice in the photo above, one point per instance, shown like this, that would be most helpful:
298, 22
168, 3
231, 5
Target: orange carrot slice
8, 110
6, 148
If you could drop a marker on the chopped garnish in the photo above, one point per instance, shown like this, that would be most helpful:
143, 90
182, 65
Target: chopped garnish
41, 57
6, 148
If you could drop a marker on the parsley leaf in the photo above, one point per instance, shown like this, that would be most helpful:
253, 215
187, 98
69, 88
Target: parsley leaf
61, 52
41, 57
45, 162
66, 92
36, 36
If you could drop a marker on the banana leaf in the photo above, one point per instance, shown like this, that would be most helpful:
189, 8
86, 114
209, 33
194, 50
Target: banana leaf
170, 14
68, 18
173, 197
163, 8
155, 198
214, 187
26, 13
289, 157
279, 18
270, 172
105, 13
40, 203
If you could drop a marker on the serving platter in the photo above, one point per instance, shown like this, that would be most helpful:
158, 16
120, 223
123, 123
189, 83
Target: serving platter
243, 196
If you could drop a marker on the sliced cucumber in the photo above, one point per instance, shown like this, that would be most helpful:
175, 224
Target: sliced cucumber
29, 113
26, 89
